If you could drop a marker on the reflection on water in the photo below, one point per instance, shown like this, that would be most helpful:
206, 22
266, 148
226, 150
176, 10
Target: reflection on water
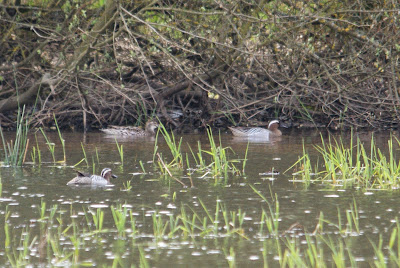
32, 193
250, 139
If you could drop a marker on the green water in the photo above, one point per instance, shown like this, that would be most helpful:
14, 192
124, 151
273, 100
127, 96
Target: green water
24, 190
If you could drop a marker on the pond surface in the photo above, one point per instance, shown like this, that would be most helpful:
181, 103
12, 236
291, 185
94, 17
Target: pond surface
219, 222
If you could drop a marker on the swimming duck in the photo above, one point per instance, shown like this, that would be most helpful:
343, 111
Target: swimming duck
149, 130
258, 132
87, 179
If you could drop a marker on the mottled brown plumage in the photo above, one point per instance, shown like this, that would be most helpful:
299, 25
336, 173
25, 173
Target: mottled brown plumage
149, 130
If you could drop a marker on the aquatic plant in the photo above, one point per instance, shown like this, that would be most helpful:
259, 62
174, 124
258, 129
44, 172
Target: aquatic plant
120, 152
36, 153
98, 220
271, 221
144, 263
50, 145
245, 157
173, 145
127, 186
142, 166
120, 214
219, 166
67, 239
351, 165
61, 140
15, 152
304, 169
97, 155
220, 163
84, 156
230, 257
305, 112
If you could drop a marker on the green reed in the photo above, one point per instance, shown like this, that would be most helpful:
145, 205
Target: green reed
230, 257
271, 221
142, 166
98, 220
36, 153
134, 230
97, 155
304, 169
394, 242
159, 226
292, 257
127, 186
42, 211
353, 218
380, 258
144, 263
15, 152
198, 157
218, 156
7, 236
16, 258
217, 222
50, 145
19, 258
220, 165
245, 158
46, 215
84, 156
351, 165
173, 145
120, 151
120, 215
61, 140
76, 242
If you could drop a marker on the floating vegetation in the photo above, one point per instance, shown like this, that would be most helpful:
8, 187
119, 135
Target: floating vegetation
350, 166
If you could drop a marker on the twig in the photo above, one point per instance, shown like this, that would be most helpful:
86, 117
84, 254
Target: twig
170, 174
26, 149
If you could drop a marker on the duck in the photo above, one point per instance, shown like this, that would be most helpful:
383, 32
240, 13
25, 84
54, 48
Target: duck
258, 132
87, 179
149, 130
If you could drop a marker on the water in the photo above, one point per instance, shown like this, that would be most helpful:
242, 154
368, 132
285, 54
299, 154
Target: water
26, 189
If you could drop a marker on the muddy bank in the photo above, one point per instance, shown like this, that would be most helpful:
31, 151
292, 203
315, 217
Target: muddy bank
94, 65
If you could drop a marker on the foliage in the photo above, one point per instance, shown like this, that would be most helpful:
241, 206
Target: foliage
329, 62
